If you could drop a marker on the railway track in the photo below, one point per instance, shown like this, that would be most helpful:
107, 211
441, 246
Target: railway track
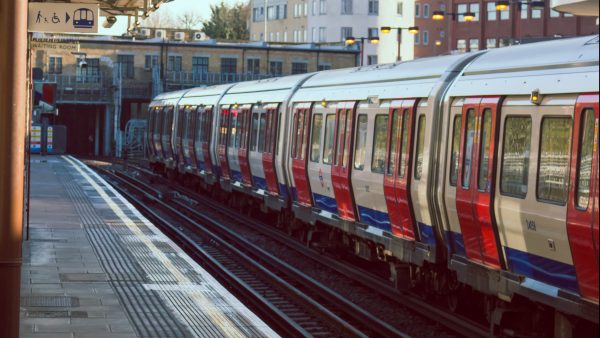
289, 300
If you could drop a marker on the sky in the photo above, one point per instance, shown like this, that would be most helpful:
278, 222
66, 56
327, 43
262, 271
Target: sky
175, 8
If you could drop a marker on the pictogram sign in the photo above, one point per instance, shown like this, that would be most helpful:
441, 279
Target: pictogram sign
63, 17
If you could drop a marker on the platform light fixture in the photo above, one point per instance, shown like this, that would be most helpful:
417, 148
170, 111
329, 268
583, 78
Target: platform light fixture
438, 43
469, 16
502, 5
386, 29
438, 15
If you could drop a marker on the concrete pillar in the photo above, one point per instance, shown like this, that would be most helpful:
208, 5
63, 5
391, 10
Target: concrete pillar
107, 131
13, 115
97, 133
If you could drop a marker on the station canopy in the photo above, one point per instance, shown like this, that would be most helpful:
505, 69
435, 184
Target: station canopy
119, 7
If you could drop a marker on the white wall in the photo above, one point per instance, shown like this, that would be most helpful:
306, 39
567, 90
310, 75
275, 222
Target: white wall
333, 21
388, 16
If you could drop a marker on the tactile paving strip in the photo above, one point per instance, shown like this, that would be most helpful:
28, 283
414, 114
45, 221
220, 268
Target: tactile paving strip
49, 301
148, 314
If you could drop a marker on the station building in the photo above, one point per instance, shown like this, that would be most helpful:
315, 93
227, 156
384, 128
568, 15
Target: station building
104, 82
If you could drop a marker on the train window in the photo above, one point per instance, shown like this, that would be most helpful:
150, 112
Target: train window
468, 149
484, 151
295, 136
315, 143
379, 143
404, 144
233, 117
225, 120
180, 121
586, 156
168, 125
347, 137
553, 170
515, 158
261, 132
455, 150
199, 136
361, 142
329, 139
254, 135
267, 131
420, 147
393, 137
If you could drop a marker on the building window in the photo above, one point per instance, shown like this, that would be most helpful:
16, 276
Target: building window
299, 67
322, 34
126, 62
276, 68
199, 65
425, 38
91, 73
151, 62
503, 42
418, 38
536, 13
490, 43
474, 45
322, 7
524, 12
346, 32
228, 65
347, 7
253, 66
505, 14
55, 65
417, 10
373, 32
373, 7
492, 14
400, 8
461, 45
174, 63
324, 66
372, 59
426, 11
461, 8
475, 9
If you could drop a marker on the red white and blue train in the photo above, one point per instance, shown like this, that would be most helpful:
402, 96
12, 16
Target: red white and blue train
473, 172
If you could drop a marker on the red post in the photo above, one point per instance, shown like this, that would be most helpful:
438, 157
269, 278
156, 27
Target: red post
13, 116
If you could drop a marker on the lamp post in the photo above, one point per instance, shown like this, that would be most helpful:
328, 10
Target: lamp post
412, 30
350, 40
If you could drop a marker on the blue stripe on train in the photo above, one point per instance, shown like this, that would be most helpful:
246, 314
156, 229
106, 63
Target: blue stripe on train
283, 191
236, 176
259, 183
455, 243
542, 269
325, 203
374, 218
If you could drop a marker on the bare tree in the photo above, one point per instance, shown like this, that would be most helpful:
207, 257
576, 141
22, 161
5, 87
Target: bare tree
188, 20
159, 19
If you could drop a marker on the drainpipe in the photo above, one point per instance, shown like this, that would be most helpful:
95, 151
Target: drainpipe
13, 110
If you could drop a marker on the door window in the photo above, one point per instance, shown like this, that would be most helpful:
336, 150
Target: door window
394, 136
515, 160
455, 150
361, 142
420, 147
484, 155
329, 139
468, 149
379, 143
553, 171
586, 155
404, 144
315, 143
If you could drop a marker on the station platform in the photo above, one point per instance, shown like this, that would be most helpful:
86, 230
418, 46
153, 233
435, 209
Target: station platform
95, 267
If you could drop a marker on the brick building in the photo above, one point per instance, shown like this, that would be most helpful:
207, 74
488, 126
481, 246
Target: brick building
101, 80
491, 28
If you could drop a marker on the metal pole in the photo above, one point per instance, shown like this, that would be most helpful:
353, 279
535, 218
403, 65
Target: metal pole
13, 105
399, 43
362, 51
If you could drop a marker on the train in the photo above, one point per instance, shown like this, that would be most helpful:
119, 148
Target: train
467, 176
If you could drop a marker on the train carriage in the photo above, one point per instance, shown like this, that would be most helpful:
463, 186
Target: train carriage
510, 166
473, 172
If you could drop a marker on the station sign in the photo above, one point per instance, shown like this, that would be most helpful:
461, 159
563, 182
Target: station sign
56, 45
53, 17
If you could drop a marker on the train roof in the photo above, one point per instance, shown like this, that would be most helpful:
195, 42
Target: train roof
558, 66
398, 80
208, 91
267, 90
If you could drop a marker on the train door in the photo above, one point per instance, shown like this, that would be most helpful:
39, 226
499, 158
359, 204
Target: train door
223, 142
271, 133
156, 135
150, 133
248, 123
206, 126
301, 129
180, 121
340, 171
474, 195
582, 212
397, 171
167, 132
188, 141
